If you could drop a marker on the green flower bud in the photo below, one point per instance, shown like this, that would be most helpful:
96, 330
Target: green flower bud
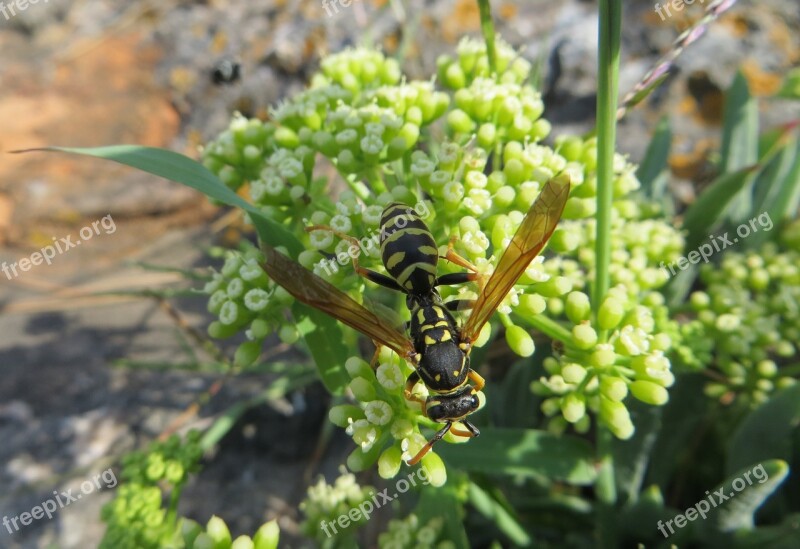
573, 407
247, 353
218, 531
203, 541
242, 542
286, 138
611, 312
573, 373
531, 304
520, 341
362, 389
649, 392
603, 356
613, 388
460, 122
390, 461
267, 536
342, 415
435, 469
577, 307
615, 415
584, 336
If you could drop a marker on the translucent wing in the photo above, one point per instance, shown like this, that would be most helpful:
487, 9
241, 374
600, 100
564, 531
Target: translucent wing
534, 232
312, 290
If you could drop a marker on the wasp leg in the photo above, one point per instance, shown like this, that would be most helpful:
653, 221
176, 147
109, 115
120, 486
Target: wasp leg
453, 257
477, 380
471, 431
376, 277
456, 278
412, 380
456, 305
427, 448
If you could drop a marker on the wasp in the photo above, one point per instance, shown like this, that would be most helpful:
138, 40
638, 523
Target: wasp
436, 346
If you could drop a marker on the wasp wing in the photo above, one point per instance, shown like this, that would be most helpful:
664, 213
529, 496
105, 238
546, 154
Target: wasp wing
534, 232
312, 290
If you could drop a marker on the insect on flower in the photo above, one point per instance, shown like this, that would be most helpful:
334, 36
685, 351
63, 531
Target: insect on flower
437, 348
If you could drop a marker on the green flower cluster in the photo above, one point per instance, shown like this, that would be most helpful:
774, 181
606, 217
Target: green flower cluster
411, 533
325, 503
217, 535
749, 318
385, 425
135, 517
472, 62
246, 301
377, 129
625, 349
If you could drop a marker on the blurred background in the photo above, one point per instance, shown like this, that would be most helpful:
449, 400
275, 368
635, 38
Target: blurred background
92, 363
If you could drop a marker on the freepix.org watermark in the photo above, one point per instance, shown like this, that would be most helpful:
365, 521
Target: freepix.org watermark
332, 6
366, 508
718, 243
9, 9
713, 500
59, 246
367, 243
61, 500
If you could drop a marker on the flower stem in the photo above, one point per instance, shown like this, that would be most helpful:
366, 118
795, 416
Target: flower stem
608, 83
487, 27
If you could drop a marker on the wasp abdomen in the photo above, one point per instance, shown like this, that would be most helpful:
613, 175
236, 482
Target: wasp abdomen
408, 249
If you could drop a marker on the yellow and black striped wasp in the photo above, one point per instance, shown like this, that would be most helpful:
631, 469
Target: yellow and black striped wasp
437, 348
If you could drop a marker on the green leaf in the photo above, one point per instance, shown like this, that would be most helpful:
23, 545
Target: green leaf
654, 167
632, 456
524, 452
182, 169
708, 210
745, 492
325, 340
444, 502
786, 535
322, 334
498, 515
766, 433
791, 85
739, 140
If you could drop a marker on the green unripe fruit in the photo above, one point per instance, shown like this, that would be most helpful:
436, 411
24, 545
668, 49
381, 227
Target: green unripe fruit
573, 373
616, 416
287, 138
390, 461
242, 542
603, 356
487, 135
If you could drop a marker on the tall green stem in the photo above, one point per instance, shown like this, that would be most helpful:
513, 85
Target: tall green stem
487, 27
608, 84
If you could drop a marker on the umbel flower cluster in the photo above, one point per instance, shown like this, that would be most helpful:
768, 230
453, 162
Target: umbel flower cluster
468, 153
748, 320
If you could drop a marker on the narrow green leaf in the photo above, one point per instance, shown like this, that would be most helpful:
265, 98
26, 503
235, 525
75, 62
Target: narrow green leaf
524, 452
777, 193
766, 433
707, 211
739, 140
182, 169
498, 515
745, 493
655, 163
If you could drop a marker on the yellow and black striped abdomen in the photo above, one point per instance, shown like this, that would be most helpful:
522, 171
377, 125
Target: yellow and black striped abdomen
408, 249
